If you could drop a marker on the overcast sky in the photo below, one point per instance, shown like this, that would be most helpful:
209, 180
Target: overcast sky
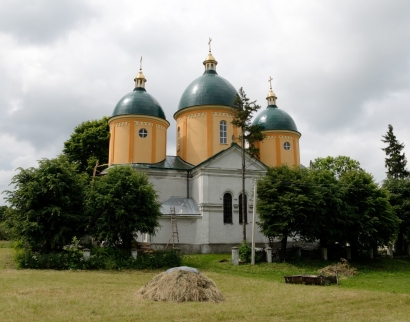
341, 69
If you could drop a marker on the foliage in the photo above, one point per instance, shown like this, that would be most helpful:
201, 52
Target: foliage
121, 204
243, 111
370, 221
395, 161
287, 202
245, 252
47, 205
330, 212
341, 268
338, 165
399, 198
4, 230
101, 258
88, 144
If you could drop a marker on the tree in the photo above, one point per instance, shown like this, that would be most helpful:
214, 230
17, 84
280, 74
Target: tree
287, 202
47, 204
399, 197
370, 221
395, 161
121, 204
88, 144
338, 165
243, 111
330, 213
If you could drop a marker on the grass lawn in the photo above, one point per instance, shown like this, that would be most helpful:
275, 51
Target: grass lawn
381, 292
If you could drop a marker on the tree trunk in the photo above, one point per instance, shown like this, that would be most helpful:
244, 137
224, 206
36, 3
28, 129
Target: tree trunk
243, 190
283, 245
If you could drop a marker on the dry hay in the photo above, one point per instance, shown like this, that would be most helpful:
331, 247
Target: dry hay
181, 286
341, 268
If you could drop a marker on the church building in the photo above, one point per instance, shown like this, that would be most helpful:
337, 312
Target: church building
202, 181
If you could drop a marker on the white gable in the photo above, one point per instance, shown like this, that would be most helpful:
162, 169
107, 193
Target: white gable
231, 159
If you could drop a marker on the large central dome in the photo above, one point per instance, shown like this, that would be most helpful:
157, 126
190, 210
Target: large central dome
208, 89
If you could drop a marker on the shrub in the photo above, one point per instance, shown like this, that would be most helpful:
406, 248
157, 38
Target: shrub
245, 252
101, 258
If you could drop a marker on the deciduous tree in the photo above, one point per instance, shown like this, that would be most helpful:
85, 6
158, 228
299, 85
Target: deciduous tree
121, 204
88, 144
47, 204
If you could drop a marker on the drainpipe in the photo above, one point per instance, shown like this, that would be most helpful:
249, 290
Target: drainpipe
187, 184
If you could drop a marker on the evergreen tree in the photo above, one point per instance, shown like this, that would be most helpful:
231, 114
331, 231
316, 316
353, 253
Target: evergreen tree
395, 161
243, 111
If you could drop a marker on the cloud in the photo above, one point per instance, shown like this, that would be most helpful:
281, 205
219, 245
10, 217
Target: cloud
40, 22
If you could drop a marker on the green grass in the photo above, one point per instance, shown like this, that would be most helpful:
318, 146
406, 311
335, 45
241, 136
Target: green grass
380, 292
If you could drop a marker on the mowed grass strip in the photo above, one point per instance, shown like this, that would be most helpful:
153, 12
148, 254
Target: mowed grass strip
46, 295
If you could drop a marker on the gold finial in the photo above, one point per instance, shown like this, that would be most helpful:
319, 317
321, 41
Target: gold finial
270, 81
209, 44
141, 63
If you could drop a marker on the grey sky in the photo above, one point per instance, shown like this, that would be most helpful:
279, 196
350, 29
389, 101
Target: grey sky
341, 69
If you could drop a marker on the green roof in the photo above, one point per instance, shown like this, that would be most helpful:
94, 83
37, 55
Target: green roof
208, 89
272, 118
139, 102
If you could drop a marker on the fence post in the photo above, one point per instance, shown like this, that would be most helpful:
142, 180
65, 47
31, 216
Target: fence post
86, 254
235, 255
268, 254
134, 253
324, 253
348, 253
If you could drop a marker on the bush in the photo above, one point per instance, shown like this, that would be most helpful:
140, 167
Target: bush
101, 258
245, 252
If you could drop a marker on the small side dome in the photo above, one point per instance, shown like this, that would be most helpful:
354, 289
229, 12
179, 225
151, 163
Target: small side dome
139, 102
275, 119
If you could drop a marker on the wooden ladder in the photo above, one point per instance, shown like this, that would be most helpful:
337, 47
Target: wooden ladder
174, 227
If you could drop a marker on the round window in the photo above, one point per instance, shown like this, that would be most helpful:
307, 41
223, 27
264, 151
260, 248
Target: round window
286, 146
143, 133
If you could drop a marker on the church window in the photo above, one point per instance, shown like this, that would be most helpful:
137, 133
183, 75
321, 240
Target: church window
223, 133
143, 133
227, 208
179, 138
240, 209
286, 146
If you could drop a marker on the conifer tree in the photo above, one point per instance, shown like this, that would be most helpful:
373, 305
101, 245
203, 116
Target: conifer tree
243, 111
395, 161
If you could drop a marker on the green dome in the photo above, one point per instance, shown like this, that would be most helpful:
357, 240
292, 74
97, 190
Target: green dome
139, 102
208, 89
275, 119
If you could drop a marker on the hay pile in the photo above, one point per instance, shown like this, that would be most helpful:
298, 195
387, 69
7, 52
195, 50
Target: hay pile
181, 286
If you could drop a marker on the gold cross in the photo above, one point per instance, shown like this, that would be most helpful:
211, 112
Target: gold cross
209, 44
141, 63
270, 81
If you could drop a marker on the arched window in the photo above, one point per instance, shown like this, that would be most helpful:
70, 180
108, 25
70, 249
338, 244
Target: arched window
227, 208
179, 138
223, 133
240, 209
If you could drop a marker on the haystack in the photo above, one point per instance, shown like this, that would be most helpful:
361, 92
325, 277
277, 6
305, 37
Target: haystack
181, 286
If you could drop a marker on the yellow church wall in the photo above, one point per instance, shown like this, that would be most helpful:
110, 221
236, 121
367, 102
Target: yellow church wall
161, 146
267, 150
272, 151
142, 150
196, 147
121, 142
199, 132
126, 145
